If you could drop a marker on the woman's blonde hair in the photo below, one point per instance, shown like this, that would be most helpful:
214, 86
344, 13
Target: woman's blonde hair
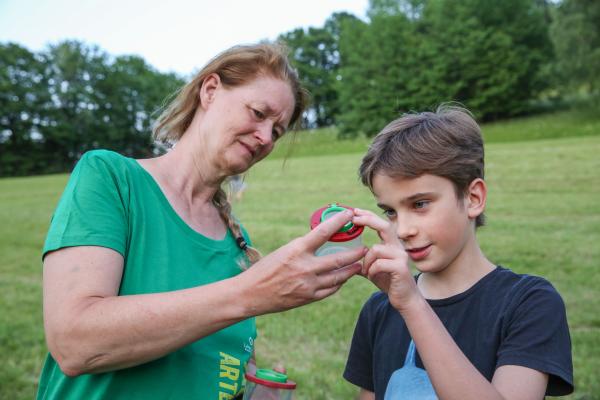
235, 67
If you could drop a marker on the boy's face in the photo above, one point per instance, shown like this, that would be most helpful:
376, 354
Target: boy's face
433, 224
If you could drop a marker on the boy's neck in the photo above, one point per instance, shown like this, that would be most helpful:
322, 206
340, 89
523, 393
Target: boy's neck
465, 271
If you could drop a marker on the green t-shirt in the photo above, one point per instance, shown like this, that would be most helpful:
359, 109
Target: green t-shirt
111, 201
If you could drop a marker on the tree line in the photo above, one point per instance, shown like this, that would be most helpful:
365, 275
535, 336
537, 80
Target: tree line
499, 59
57, 104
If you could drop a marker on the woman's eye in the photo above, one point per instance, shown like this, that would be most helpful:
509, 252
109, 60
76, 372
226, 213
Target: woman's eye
258, 114
276, 134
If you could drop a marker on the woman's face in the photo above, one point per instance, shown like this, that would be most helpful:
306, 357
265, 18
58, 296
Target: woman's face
241, 124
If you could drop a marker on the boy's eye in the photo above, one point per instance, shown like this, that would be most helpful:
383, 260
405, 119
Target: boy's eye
421, 204
389, 213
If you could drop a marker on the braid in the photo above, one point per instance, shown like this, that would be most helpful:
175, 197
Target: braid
224, 208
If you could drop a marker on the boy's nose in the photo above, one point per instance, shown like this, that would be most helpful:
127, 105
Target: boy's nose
405, 229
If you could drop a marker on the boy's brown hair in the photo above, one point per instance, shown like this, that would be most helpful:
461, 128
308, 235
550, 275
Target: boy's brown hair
446, 143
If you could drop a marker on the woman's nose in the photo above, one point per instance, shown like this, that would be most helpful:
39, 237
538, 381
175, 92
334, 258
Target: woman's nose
264, 133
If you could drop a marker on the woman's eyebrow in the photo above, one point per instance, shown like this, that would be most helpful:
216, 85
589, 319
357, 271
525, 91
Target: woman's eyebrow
269, 111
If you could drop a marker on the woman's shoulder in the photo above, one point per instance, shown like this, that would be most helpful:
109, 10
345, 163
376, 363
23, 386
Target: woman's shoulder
105, 162
103, 156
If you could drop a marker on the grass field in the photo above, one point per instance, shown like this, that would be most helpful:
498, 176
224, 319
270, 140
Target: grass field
543, 218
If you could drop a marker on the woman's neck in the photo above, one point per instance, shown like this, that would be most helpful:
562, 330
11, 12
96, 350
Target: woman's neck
189, 190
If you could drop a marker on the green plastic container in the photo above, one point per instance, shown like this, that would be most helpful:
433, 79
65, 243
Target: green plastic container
347, 238
267, 384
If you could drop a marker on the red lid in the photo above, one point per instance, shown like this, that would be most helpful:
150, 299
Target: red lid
352, 232
288, 384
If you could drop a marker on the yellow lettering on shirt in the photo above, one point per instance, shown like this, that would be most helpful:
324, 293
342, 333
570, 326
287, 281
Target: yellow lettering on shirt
229, 360
229, 373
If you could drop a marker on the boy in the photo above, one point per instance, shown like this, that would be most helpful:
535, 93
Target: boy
463, 328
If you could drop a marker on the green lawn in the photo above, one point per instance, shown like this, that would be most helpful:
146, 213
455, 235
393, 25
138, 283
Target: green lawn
543, 218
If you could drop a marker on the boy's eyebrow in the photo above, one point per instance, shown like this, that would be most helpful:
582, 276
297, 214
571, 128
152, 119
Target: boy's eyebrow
409, 199
417, 196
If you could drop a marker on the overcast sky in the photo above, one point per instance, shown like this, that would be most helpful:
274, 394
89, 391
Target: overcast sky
172, 35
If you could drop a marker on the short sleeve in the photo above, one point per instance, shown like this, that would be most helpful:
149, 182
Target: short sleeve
359, 366
92, 208
537, 337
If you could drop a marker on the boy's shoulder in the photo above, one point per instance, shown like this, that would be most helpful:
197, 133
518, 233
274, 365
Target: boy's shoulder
377, 301
501, 286
515, 285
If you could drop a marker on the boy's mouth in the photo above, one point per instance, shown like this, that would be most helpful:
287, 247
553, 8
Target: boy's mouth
419, 253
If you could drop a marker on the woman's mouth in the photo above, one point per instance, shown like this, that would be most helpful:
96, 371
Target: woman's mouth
248, 149
419, 253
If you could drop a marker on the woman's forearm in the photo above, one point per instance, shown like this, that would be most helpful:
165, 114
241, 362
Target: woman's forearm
108, 333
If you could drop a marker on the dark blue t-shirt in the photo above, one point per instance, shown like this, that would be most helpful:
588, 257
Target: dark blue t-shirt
504, 319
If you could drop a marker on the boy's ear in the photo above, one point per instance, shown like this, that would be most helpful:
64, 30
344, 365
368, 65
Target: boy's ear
476, 198
208, 89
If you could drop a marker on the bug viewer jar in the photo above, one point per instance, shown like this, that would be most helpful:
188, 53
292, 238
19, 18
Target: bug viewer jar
348, 237
267, 384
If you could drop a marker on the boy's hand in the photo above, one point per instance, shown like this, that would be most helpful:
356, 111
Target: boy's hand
386, 263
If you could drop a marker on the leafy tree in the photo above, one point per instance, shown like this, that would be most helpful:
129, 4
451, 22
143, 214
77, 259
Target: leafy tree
131, 94
73, 72
376, 65
23, 104
71, 98
489, 53
416, 54
315, 54
575, 33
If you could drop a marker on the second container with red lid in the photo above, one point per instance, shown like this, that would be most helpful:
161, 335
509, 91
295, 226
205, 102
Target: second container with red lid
348, 237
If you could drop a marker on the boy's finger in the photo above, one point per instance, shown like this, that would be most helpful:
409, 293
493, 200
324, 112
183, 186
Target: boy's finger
383, 227
321, 234
376, 252
279, 367
393, 253
381, 266
369, 259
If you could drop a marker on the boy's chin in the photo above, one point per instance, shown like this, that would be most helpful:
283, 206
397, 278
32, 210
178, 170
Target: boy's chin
426, 267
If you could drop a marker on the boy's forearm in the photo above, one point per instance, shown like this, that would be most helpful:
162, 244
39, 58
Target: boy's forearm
452, 374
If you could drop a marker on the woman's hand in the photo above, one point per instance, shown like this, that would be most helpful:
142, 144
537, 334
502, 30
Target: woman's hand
386, 263
292, 275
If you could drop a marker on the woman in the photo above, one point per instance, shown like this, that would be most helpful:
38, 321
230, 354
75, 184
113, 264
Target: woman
143, 295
